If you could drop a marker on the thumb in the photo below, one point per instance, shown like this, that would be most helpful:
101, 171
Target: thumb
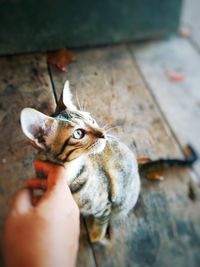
22, 201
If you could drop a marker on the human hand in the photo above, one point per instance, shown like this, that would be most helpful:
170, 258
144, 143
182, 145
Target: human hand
43, 232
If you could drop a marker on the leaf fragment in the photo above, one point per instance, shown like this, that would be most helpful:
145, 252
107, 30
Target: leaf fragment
61, 59
175, 76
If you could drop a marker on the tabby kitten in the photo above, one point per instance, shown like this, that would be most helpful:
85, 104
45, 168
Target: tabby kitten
102, 172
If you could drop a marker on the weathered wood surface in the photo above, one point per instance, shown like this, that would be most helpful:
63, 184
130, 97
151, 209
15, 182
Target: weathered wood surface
164, 229
179, 101
24, 81
190, 21
85, 253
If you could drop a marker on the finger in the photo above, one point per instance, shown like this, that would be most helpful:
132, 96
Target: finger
58, 190
37, 183
43, 166
56, 176
59, 200
57, 187
22, 201
56, 180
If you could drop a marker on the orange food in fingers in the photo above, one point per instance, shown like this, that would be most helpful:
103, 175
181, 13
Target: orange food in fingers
37, 183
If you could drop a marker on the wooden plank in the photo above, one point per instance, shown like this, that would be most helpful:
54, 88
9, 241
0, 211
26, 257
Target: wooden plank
179, 101
85, 253
24, 82
190, 21
26, 26
164, 228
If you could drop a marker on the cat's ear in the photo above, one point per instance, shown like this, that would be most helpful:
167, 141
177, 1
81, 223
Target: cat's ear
65, 101
67, 97
37, 126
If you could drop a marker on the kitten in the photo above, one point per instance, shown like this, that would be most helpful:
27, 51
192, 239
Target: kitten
102, 172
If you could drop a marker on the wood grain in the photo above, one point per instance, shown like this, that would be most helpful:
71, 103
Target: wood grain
179, 101
24, 81
164, 228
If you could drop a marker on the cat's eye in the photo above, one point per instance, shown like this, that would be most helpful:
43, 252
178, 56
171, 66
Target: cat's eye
78, 134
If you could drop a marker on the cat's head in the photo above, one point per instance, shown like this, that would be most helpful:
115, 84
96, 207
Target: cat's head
65, 135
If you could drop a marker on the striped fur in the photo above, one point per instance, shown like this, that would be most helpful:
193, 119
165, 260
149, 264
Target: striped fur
102, 172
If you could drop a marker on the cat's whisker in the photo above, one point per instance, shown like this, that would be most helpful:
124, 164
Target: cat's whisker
88, 176
108, 126
111, 128
78, 102
105, 126
101, 123
109, 136
84, 105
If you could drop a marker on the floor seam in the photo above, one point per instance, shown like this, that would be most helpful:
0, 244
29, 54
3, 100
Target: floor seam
85, 225
174, 136
92, 247
52, 83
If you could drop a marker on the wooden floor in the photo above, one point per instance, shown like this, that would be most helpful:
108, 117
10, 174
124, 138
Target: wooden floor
124, 85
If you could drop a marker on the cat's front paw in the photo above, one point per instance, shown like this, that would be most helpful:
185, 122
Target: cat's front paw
96, 235
97, 229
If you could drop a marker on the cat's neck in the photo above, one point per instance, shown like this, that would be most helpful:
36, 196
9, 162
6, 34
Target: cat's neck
73, 168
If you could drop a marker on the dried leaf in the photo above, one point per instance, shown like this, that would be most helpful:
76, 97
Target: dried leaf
185, 32
61, 59
174, 76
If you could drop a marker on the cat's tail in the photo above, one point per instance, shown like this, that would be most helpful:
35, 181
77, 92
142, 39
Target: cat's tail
164, 163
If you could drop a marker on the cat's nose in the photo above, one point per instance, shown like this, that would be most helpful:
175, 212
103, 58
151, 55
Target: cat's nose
101, 135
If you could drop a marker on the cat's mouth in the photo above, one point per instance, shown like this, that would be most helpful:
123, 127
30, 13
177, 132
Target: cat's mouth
97, 147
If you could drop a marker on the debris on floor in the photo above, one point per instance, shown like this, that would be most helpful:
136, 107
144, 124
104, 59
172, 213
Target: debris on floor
61, 59
175, 76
